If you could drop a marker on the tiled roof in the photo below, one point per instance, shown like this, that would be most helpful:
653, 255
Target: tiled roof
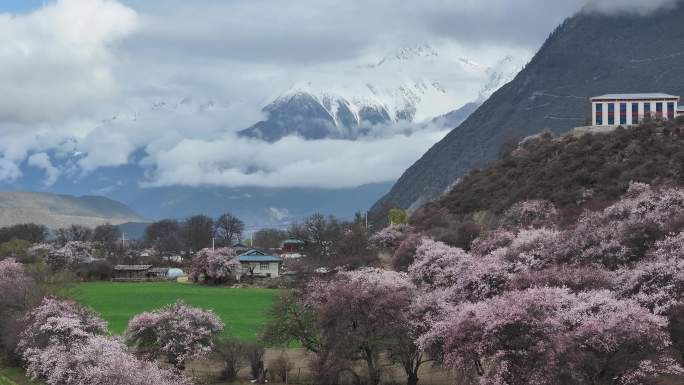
259, 258
253, 252
634, 96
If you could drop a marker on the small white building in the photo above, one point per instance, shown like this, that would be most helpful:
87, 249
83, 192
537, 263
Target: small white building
630, 109
258, 264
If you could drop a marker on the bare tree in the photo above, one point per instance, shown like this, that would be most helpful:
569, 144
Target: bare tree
198, 230
229, 228
74, 233
108, 235
231, 352
255, 355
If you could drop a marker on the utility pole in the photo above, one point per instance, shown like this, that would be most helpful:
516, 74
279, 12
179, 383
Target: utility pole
123, 240
212, 243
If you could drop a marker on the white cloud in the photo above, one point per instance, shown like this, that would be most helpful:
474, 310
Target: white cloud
279, 214
290, 162
58, 59
42, 161
9, 170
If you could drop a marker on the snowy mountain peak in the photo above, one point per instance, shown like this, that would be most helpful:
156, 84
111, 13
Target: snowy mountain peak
413, 84
501, 73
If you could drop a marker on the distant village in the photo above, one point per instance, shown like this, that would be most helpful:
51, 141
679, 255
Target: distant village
176, 249
254, 263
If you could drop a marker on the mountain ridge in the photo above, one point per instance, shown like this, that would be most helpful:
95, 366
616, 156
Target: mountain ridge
60, 210
348, 110
587, 55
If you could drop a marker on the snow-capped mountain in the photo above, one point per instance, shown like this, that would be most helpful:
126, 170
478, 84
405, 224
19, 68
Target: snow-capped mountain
501, 73
412, 85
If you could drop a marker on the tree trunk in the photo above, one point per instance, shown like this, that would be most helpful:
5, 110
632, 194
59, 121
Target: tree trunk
412, 379
373, 371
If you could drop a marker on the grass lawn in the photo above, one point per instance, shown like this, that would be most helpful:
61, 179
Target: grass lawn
242, 310
14, 376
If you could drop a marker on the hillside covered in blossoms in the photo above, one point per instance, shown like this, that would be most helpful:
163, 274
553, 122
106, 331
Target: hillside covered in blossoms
541, 298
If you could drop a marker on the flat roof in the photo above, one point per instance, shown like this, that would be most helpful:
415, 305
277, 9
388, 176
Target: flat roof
132, 267
645, 96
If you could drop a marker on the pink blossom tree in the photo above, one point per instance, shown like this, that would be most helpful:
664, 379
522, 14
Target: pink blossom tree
530, 214
491, 241
360, 314
214, 266
65, 344
657, 283
18, 294
98, 360
623, 232
390, 237
531, 249
58, 322
71, 253
575, 278
178, 332
464, 276
550, 336
15, 286
405, 254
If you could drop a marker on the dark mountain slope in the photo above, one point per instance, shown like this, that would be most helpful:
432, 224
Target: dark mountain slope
572, 171
576, 172
586, 56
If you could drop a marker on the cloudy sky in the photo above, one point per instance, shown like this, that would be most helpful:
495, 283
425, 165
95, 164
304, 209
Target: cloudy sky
164, 84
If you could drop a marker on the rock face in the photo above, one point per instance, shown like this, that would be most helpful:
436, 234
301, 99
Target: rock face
587, 55
56, 211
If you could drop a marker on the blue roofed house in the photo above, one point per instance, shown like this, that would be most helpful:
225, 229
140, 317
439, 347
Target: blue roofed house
256, 263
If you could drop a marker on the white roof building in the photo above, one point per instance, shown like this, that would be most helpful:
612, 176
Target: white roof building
630, 109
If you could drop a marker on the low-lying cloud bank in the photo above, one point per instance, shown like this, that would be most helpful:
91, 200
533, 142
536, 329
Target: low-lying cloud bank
290, 162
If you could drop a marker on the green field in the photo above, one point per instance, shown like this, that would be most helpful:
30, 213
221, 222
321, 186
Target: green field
14, 376
242, 310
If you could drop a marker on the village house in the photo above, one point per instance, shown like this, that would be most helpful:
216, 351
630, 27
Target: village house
256, 263
145, 273
131, 272
631, 109
291, 249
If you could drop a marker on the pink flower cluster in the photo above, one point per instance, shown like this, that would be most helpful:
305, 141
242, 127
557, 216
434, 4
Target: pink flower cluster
622, 232
464, 276
657, 282
178, 332
214, 265
527, 337
71, 253
530, 214
65, 344
390, 237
